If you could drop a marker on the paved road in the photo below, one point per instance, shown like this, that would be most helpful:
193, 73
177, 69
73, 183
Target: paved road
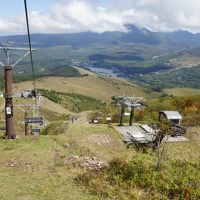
169, 53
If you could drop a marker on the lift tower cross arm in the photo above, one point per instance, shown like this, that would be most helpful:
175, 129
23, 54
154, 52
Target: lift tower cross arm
127, 102
10, 134
1, 63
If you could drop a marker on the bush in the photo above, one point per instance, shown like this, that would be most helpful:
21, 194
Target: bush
51, 95
139, 179
55, 128
73, 102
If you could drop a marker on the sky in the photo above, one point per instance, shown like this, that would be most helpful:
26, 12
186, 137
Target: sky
69, 16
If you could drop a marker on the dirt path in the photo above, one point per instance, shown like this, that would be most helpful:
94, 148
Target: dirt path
82, 117
50, 105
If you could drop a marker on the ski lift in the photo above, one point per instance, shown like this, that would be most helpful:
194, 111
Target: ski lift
10, 134
34, 120
109, 117
29, 94
35, 131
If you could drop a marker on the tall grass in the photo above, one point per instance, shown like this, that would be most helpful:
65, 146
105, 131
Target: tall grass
140, 179
71, 101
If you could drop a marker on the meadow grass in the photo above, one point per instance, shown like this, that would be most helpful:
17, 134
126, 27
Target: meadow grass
181, 92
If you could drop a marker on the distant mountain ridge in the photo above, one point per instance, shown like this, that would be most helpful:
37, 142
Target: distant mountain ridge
85, 39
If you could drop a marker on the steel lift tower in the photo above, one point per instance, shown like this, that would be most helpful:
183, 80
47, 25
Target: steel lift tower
8, 95
127, 102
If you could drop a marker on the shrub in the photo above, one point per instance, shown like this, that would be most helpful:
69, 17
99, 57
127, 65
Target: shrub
55, 128
72, 101
51, 95
127, 180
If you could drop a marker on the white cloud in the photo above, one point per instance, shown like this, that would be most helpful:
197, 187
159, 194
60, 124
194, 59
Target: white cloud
108, 15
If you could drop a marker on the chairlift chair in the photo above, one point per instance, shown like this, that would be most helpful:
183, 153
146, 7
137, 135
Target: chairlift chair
34, 120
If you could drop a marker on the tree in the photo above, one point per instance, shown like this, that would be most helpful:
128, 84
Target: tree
163, 130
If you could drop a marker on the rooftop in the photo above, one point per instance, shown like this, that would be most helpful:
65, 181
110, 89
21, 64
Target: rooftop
172, 114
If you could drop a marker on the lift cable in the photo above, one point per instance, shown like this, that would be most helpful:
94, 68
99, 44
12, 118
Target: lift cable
34, 119
30, 46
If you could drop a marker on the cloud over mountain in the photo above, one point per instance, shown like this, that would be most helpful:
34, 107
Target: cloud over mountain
103, 15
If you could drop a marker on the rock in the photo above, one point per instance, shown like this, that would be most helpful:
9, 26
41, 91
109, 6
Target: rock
99, 139
86, 162
66, 145
71, 160
93, 163
75, 157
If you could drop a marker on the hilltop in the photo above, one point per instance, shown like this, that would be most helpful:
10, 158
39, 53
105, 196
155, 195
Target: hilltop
99, 87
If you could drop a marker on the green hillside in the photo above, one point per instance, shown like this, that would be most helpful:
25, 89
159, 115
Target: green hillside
182, 91
86, 161
188, 77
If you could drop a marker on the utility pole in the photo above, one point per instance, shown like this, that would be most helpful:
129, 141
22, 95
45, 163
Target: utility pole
26, 127
121, 123
9, 103
8, 95
131, 116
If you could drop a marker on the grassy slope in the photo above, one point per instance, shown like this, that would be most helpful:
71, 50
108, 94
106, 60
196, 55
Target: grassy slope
32, 168
34, 174
182, 92
49, 105
35, 168
92, 85
185, 151
98, 87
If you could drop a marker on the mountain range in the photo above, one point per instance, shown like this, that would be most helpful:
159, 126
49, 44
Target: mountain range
158, 59
85, 39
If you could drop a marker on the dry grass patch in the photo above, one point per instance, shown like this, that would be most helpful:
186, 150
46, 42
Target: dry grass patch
94, 86
182, 92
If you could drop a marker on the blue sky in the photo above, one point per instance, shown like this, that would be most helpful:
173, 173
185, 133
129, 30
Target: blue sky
67, 16
16, 7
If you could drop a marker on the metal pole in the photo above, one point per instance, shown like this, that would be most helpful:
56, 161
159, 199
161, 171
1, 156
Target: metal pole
122, 116
8, 91
131, 116
159, 116
26, 125
9, 103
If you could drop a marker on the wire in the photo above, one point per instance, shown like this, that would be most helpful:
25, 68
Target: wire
29, 40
